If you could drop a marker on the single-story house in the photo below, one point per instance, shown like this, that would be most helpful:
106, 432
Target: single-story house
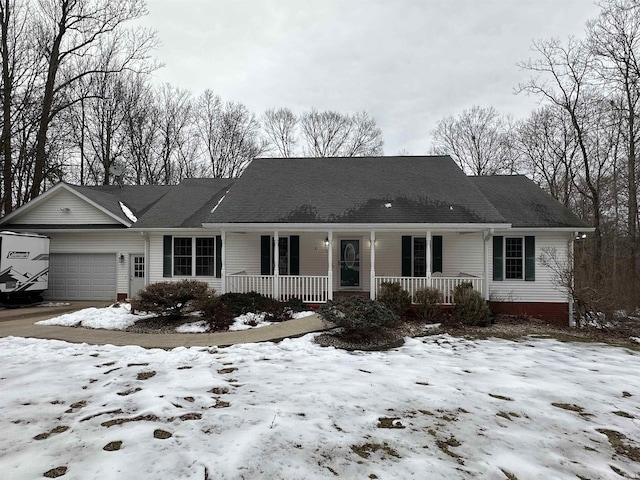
313, 228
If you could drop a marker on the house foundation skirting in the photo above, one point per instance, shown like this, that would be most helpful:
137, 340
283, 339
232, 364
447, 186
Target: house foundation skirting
554, 312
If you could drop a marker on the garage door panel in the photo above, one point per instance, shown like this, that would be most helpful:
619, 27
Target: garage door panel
82, 276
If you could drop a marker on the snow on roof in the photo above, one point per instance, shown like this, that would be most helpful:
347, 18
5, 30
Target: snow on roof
128, 213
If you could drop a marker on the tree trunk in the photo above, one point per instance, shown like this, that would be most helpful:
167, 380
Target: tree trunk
7, 96
47, 106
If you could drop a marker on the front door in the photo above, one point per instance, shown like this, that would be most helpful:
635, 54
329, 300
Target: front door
349, 263
136, 274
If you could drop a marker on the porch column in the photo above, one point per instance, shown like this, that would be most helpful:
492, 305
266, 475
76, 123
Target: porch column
428, 259
276, 266
486, 236
330, 266
223, 261
372, 286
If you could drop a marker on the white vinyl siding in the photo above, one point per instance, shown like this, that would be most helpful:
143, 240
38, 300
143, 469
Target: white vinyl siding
54, 211
113, 243
545, 287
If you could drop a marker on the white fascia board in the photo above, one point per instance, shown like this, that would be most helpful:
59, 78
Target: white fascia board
550, 229
170, 229
349, 227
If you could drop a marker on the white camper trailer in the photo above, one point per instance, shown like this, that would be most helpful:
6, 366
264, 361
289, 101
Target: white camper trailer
24, 267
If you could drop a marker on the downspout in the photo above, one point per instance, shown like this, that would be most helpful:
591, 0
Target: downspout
572, 320
147, 253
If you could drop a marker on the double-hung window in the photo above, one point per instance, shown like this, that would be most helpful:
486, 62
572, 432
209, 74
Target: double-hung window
419, 257
194, 256
513, 258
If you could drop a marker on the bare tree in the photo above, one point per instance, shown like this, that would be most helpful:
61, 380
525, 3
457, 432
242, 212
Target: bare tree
333, 134
548, 147
70, 35
229, 134
614, 39
479, 140
20, 69
562, 76
174, 117
280, 126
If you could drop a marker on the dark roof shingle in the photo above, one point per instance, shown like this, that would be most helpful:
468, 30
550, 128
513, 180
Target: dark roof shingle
524, 204
428, 189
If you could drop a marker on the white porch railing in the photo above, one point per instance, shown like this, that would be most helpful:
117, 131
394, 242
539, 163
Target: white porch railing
308, 288
262, 284
444, 284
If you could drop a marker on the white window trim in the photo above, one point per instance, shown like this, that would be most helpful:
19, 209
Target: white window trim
193, 257
504, 259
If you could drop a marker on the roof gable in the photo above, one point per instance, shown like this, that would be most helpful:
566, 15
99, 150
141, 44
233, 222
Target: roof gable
429, 189
63, 205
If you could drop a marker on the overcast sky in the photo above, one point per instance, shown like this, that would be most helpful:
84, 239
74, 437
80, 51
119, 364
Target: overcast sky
408, 63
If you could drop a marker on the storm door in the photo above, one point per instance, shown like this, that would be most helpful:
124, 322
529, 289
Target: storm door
349, 263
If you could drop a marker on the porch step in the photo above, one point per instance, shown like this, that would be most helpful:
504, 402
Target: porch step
346, 294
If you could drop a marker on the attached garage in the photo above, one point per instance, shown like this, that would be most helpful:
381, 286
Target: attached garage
75, 276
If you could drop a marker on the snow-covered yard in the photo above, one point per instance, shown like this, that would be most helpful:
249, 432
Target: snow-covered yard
119, 317
437, 408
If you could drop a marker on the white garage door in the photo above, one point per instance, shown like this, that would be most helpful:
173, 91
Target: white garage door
82, 276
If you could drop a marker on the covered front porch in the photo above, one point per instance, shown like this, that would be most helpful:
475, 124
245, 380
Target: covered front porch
316, 266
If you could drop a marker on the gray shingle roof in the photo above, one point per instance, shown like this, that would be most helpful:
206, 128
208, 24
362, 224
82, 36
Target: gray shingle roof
185, 205
139, 198
429, 189
161, 206
523, 204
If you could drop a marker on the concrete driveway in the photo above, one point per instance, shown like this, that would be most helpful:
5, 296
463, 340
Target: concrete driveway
20, 323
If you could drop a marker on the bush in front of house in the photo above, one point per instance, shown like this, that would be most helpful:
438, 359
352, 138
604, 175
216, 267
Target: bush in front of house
170, 299
395, 297
357, 316
215, 312
428, 302
253, 302
469, 306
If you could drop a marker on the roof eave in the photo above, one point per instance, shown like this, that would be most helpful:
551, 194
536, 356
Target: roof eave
336, 227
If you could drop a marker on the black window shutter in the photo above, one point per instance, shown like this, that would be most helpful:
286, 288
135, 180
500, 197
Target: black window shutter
436, 253
167, 241
265, 255
294, 255
406, 255
218, 256
529, 259
497, 258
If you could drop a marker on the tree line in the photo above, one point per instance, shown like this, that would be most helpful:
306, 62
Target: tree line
78, 97
581, 144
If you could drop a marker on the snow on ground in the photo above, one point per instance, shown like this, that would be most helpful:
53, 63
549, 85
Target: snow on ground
119, 317
115, 317
461, 409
